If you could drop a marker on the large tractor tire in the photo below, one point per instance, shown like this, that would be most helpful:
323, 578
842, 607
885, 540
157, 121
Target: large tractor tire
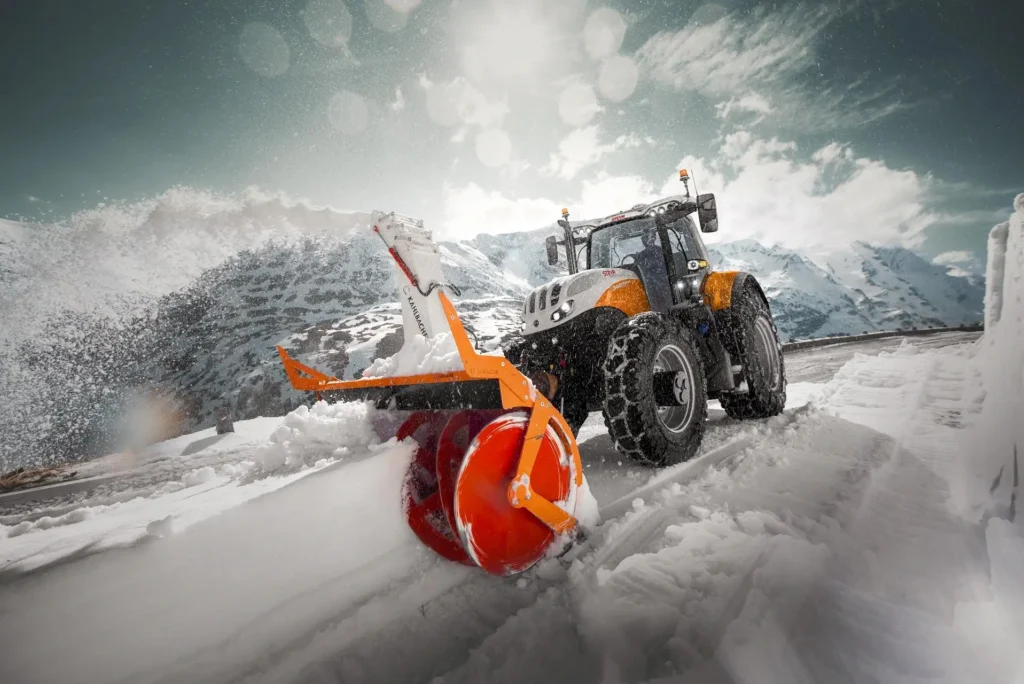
753, 342
655, 403
575, 413
571, 405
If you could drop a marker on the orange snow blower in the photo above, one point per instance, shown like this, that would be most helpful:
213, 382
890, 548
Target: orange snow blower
496, 477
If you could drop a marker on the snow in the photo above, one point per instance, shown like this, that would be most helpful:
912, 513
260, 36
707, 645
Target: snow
284, 450
831, 543
418, 355
994, 621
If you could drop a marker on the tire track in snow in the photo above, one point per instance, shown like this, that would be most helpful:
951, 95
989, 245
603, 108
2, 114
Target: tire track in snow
902, 562
463, 612
474, 610
790, 630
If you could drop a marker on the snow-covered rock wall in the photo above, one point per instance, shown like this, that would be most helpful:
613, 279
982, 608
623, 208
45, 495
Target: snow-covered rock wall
994, 624
1001, 356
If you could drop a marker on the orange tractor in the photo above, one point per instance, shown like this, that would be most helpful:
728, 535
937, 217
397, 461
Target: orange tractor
641, 329
496, 479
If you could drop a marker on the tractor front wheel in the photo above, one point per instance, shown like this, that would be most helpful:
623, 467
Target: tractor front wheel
655, 403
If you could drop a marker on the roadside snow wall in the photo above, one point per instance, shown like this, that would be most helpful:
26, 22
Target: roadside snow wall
994, 624
1001, 353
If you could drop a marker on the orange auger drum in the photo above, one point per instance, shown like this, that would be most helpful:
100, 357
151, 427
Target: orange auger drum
496, 475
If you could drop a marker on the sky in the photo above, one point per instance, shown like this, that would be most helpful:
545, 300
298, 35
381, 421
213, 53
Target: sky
890, 121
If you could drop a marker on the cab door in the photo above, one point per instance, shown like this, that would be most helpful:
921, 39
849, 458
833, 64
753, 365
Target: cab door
688, 259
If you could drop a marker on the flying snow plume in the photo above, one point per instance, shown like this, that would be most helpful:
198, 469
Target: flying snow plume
80, 293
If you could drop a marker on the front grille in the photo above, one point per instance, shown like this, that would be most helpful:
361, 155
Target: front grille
533, 302
584, 282
543, 297
556, 290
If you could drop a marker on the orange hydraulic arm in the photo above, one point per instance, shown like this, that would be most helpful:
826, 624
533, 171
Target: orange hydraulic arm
516, 392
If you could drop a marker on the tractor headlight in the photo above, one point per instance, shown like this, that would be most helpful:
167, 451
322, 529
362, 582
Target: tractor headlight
561, 312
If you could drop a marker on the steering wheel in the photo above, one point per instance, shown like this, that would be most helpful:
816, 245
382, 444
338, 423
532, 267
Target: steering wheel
623, 264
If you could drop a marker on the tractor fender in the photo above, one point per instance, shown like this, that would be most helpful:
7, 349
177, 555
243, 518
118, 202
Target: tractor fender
720, 286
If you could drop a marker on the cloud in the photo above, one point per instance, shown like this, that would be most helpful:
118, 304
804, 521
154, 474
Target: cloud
750, 103
398, 104
469, 210
765, 63
960, 263
582, 148
459, 102
817, 200
768, 191
606, 194
955, 257
733, 54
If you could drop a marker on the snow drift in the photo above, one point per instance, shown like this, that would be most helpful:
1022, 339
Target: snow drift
996, 626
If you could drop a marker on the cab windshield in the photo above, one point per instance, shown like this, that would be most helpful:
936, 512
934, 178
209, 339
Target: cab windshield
609, 246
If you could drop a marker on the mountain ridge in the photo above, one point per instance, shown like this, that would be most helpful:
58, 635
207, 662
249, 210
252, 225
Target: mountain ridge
331, 300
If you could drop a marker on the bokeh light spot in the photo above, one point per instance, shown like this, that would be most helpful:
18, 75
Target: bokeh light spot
493, 148
404, 6
577, 104
618, 78
328, 21
348, 113
708, 13
385, 17
603, 33
264, 49
442, 105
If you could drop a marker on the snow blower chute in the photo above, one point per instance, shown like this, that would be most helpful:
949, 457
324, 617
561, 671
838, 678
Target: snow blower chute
497, 474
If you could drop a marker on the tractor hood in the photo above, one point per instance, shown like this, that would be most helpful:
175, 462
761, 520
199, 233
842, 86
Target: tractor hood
562, 299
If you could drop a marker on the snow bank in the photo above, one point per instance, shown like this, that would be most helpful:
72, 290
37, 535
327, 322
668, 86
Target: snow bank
198, 476
180, 482
234, 594
322, 434
48, 522
1001, 354
419, 355
995, 627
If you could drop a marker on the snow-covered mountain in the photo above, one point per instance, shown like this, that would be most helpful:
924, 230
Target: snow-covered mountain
861, 289
329, 297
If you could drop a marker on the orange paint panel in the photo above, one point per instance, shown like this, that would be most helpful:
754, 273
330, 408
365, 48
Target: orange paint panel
717, 289
516, 392
627, 296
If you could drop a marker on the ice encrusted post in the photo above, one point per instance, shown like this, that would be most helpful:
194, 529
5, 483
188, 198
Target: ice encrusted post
995, 273
1002, 350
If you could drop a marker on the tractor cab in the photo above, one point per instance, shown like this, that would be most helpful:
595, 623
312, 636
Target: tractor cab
658, 242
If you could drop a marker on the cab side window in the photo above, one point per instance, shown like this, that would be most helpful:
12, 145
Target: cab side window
682, 246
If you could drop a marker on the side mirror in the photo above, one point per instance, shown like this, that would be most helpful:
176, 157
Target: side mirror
551, 244
707, 213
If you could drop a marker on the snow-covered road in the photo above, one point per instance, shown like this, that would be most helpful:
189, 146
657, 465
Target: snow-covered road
821, 545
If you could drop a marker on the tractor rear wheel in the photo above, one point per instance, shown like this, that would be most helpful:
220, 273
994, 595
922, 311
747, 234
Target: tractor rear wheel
755, 345
655, 403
